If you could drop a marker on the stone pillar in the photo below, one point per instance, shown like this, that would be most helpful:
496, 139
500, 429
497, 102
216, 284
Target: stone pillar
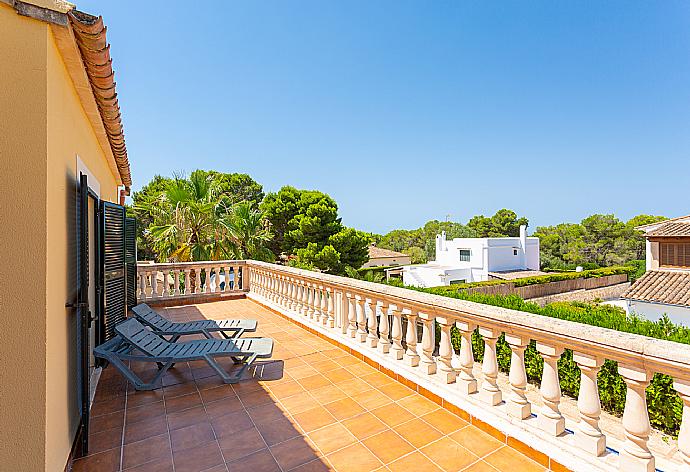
489, 392
636, 456
361, 318
682, 386
550, 419
384, 329
372, 324
445, 352
428, 363
517, 404
466, 381
396, 333
588, 436
411, 340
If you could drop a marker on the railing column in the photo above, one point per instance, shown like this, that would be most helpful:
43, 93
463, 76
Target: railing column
176, 282
489, 392
517, 404
361, 318
551, 420
466, 381
445, 352
351, 314
396, 333
588, 436
330, 307
293, 294
323, 307
372, 324
305, 299
154, 284
411, 339
428, 363
299, 306
317, 303
142, 285
310, 300
197, 276
636, 455
384, 344
187, 283
683, 389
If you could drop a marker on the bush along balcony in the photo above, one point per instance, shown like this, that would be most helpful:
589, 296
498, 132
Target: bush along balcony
430, 343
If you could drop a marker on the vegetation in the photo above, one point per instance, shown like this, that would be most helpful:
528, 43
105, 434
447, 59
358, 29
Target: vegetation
598, 240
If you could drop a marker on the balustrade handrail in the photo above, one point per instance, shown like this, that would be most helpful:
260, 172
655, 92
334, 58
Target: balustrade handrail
649, 353
142, 266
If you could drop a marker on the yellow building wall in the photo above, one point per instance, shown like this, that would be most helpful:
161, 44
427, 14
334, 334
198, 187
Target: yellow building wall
69, 134
43, 129
23, 157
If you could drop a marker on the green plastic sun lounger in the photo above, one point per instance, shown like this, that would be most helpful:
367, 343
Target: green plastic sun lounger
135, 342
164, 327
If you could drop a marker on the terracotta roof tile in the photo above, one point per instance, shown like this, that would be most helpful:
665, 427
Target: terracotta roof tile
377, 252
90, 34
662, 286
672, 229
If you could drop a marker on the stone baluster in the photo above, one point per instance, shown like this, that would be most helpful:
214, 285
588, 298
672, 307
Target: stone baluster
372, 337
290, 293
445, 351
310, 300
411, 355
330, 309
223, 280
489, 391
176, 282
636, 455
588, 435
682, 386
466, 380
197, 274
317, 303
142, 285
187, 282
239, 279
298, 297
286, 292
305, 298
517, 405
384, 328
361, 303
550, 419
154, 284
428, 363
207, 280
396, 333
351, 314
343, 312
323, 308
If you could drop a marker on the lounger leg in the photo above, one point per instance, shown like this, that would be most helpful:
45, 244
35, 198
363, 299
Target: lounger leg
138, 383
224, 374
207, 334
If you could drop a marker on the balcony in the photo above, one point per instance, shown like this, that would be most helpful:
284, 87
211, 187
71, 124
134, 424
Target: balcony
347, 390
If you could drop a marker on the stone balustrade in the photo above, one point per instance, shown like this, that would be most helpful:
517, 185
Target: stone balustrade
383, 324
190, 279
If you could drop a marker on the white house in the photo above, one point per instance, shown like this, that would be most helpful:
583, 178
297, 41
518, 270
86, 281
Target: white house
665, 287
475, 259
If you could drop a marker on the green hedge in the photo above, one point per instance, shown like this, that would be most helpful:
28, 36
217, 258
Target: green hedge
541, 279
665, 407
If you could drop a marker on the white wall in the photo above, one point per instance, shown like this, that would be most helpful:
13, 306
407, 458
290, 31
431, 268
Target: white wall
654, 311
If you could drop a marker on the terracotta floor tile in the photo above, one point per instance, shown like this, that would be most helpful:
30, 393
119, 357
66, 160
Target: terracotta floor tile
277, 431
303, 371
360, 369
480, 466
255, 398
414, 461
317, 465
418, 405
179, 389
314, 418
237, 446
355, 386
183, 418
139, 398
145, 429
444, 421
299, 403
388, 446
217, 393
507, 458
364, 425
294, 452
182, 402
338, 375
331, 438
354, 458
137, 453
392, 414
396, 391
313, 382
158, 465
418, 432
108, 406
476, 441
105, 422
145, 412
345, 408
449, 455
224, 407
371, 399
261, 461
286, 390
191, 436
266, 413
108, 439
107, 461
327, 394
198, 458
230, 424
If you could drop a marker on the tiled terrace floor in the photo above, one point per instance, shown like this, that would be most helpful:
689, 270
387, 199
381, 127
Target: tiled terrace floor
312, 407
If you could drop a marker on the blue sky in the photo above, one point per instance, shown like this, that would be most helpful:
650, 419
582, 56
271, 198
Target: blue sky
409, 111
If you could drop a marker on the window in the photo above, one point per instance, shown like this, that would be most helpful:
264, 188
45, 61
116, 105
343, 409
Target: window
515, 252
465, 255
674, 254
458, 281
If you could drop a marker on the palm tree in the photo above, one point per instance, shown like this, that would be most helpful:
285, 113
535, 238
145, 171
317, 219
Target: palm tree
368, 276
247, 233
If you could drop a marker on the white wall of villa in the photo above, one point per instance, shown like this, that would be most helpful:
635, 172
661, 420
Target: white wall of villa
472, 259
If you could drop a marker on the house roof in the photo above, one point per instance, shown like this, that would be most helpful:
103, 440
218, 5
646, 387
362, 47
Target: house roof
516, 274
89, 32
670, 229
379, 252
657, 223
661, 286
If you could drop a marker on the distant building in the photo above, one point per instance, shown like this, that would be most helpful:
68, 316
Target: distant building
379, 257
665, 287
476, 259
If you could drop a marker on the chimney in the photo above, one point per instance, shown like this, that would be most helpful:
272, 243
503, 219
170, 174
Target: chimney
443, 240
523, 237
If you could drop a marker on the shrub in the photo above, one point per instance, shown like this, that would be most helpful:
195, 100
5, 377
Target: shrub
665, 407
